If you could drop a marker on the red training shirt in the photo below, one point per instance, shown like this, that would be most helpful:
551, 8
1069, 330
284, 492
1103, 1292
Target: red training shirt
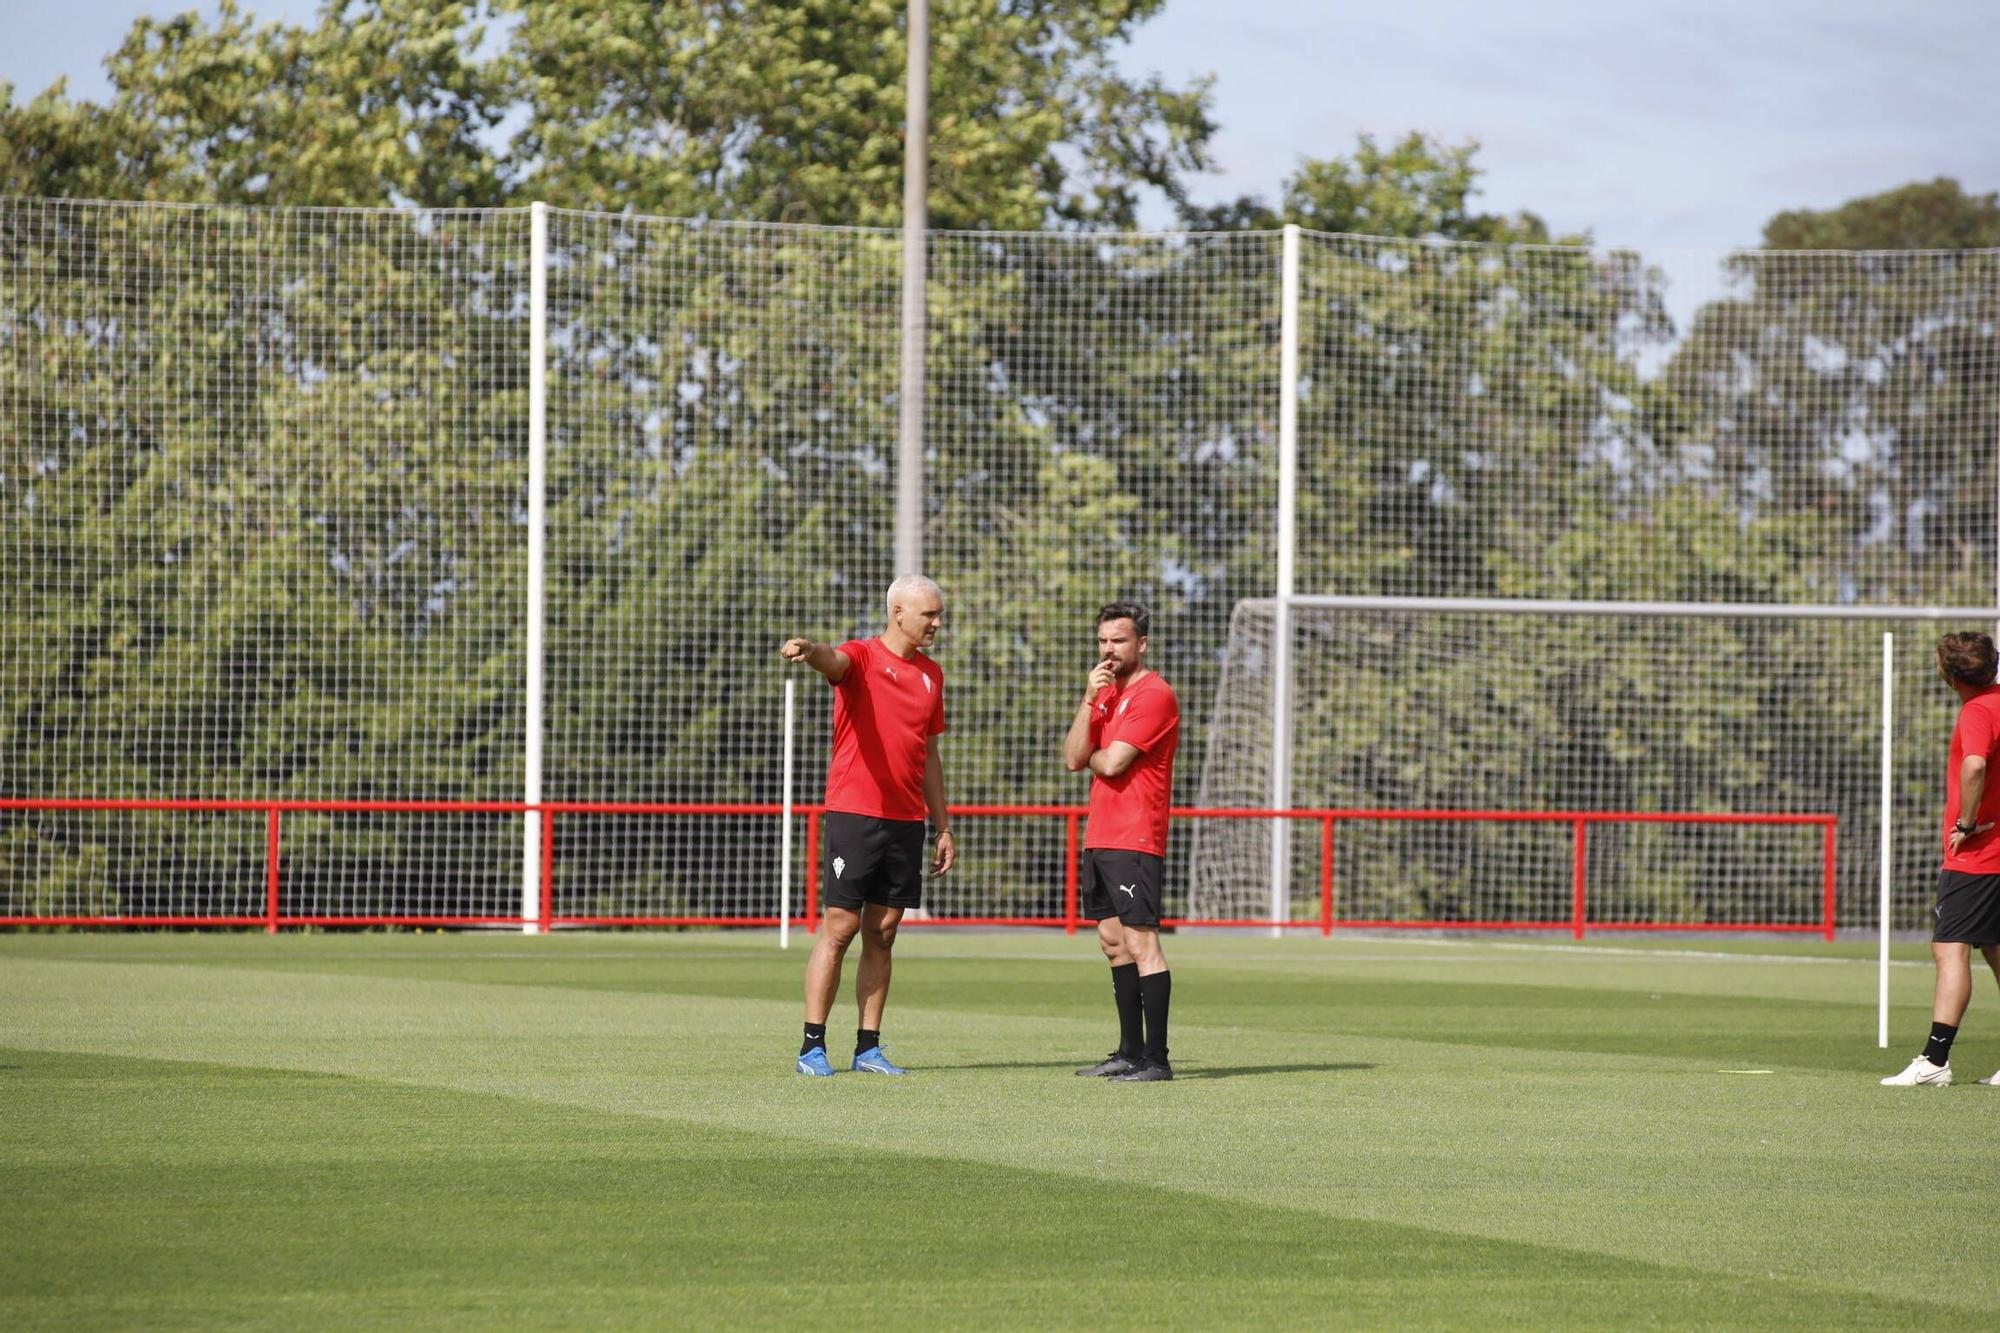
1977, 731
1129, 812
885, 709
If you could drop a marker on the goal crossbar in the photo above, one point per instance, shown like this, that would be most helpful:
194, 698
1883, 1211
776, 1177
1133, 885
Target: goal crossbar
1522, 606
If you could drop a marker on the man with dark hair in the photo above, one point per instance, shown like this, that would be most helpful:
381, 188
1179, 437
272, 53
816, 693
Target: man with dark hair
1968, 893
885, 775
1125, 732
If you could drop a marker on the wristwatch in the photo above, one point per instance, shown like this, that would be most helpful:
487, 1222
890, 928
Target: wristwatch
1968, 832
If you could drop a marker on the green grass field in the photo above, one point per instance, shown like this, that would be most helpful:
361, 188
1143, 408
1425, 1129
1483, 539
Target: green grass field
229, 1130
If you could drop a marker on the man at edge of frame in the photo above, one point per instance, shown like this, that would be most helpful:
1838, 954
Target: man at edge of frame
1968, 891
883, 778
1125, 731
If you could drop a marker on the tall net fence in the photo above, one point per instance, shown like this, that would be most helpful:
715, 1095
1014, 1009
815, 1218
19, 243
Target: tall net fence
1533, 421
262, 476
723, 420
721, 425
263, 509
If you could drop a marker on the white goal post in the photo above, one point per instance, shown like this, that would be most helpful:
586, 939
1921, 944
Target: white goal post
1748, 719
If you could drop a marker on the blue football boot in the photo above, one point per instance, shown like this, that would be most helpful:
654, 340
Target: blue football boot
814, 1062
875, 1060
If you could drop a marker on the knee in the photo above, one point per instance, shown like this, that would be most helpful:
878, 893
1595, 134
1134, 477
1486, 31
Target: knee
881, 937
835, 939
1115, 952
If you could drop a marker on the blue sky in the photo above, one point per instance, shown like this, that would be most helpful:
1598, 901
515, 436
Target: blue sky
1682, 122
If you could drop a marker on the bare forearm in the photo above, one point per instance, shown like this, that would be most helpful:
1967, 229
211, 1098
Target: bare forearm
1113, 759
1076, 745
824, 658
934, 802
1971, 787
945, 854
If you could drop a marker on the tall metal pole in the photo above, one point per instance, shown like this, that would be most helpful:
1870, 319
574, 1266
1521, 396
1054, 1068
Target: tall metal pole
538, 411
1281, 610
1888, 813
916, 216
788, 730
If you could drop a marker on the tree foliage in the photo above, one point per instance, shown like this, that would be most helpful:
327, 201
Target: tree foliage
781, 111
794, 112
1927, 215
1417, 188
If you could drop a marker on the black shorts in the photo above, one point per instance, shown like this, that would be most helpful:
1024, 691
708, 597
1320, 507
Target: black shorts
1115, 882
1968, 908
868, 859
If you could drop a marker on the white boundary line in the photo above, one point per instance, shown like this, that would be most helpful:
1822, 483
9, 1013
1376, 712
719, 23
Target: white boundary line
753, 945
1614, 951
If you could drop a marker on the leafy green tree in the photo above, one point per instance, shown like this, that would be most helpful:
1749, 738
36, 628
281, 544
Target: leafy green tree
1418, 188
381, 101
1415, 188
56, 148
721, 109
793, 112
1926, 215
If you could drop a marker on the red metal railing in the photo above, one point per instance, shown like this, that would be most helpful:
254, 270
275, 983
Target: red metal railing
1326, 920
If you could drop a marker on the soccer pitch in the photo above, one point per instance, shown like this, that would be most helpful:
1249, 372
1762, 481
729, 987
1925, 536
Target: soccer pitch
241, 1130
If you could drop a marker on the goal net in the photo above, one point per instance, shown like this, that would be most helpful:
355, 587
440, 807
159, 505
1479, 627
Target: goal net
1532, 765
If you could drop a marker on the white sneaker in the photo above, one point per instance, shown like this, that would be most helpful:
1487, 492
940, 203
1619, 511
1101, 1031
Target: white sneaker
1921, 1073
1994, 1081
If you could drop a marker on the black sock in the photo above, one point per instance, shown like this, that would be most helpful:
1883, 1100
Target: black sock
1131, 1014
1154, 992
815, 1036
1938, 1049
866, 1039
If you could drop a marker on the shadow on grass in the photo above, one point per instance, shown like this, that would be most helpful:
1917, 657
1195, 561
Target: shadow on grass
1180, 1071
1009, 1064
1246, 1071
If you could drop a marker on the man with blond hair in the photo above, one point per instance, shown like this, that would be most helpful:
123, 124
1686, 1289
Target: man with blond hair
884, 777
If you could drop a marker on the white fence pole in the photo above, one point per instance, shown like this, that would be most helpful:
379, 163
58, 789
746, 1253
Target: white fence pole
785, 838
909, 542
1281, 620
538, 409
1888, 751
